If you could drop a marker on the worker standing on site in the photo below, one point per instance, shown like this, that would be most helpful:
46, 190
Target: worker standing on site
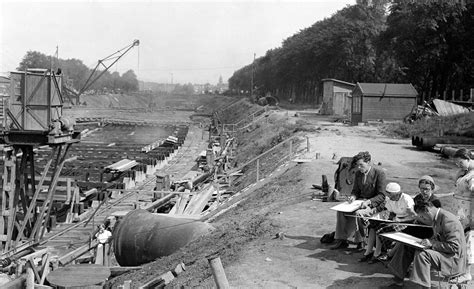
103, 237
369, 185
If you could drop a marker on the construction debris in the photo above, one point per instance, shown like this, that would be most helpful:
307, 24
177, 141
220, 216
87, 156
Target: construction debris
445, 108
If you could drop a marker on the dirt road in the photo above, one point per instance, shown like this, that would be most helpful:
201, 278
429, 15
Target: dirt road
300, 260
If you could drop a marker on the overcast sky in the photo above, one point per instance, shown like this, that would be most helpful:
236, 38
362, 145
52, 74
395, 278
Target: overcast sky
191, 41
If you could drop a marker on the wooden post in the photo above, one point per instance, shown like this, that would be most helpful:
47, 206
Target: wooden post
258, 169
453, 92
127, 284
307, 144
68, 190
291, 148
461, 95
218, 272
444, 95
30, 278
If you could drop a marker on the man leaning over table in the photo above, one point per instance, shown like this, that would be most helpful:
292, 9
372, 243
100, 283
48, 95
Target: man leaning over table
369, 185
445, 251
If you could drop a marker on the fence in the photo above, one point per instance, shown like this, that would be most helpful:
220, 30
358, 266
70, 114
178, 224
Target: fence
456, 96
288, 144
243, 123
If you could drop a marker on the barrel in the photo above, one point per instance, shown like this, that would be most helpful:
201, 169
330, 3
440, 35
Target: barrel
142, 237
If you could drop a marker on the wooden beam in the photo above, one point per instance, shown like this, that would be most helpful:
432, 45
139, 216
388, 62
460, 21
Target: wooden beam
66, 259
118, 270
33, 267
159, 281
160, 202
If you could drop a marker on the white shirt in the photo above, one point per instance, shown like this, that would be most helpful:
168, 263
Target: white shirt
103, 237
400, 207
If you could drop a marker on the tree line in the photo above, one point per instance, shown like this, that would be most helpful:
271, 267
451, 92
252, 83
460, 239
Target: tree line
75, 73
427, 43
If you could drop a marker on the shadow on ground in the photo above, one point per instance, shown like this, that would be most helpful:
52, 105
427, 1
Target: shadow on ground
311, 243
364, 283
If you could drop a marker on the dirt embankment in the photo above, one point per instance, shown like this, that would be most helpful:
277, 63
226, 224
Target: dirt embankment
284, 202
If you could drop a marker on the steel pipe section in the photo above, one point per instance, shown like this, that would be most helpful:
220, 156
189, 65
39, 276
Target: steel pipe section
142, 237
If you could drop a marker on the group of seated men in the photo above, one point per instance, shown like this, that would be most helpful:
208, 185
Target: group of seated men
441, 232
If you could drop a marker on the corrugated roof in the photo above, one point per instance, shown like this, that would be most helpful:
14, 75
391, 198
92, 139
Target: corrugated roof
388, 89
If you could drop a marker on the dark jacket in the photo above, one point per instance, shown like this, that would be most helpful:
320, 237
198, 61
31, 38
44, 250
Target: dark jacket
373, 189
449, 239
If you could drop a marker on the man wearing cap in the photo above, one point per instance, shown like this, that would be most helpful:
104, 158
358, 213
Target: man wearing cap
369, 185
445, 252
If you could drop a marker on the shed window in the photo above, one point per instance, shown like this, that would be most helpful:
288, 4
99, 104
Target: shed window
356, 104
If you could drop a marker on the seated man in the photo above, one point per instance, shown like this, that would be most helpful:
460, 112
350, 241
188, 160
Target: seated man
446, 251
369, 185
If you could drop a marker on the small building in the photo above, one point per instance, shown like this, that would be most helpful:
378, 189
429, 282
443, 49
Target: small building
337, 96
382, 101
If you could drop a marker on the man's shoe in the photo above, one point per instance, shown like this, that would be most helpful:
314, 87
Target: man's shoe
464, 278
397, 283
366, 258
373, 260
383, 258
340, 244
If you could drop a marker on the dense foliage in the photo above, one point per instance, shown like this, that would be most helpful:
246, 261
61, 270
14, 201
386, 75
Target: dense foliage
426, 43
76, 73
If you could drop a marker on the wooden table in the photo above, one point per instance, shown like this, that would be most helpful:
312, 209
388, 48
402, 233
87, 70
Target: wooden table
80, 275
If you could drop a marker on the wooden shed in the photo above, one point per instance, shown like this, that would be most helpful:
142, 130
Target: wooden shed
387, 101
336, 97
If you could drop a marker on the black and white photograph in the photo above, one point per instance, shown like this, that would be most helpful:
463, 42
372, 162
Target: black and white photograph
237, 144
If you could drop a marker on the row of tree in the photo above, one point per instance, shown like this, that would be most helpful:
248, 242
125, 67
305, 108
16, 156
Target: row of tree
427, 43
76, 73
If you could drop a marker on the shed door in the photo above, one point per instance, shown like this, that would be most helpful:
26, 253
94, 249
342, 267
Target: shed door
338, 102
356, 115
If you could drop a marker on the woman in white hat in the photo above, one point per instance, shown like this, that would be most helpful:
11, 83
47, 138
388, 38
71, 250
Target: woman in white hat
399, 207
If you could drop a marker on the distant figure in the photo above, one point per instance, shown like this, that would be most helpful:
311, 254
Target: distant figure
369, 185
103, 237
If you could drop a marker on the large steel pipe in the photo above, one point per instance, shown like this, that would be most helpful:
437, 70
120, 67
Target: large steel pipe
428, 142
142, 237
